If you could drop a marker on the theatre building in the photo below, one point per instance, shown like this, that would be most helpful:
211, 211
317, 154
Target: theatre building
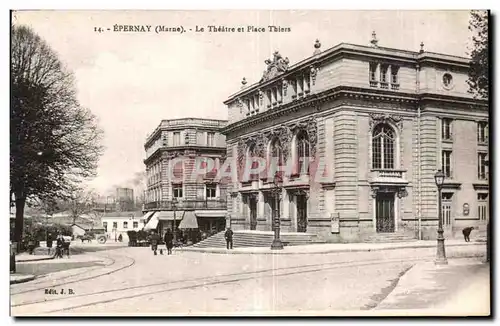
383, 121
173, 192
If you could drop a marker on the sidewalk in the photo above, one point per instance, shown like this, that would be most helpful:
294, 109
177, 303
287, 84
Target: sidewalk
460, 288
25, 257
324, 248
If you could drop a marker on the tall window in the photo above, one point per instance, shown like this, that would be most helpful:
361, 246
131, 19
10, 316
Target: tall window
482, 132
135, 224
383, 142
481, 166
211, 138
302, 153
373, 71
211, 190
482, 206
394, 75
177, 139
383, 74
446, 129
446, 163
447, 204
125, 225
177, 190
105, 226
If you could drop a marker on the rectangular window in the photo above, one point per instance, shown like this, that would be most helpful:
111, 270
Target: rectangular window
481, 166
105, 226
394, 75
482, 132
125, 225
177, 190
211, 139
211, 190
446, 163
446, 129
383, 73
177, 139
135, 224
482, 206
307, 83
115, 225
373, 72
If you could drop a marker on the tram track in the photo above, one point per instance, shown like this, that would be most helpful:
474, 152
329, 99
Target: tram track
57, 283
170, 286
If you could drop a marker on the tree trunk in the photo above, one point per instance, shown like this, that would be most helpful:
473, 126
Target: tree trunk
19, 226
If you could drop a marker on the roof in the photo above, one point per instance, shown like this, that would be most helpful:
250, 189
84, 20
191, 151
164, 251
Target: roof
399, 54
123, 215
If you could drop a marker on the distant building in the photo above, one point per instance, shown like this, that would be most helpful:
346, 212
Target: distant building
116, 223
124, 199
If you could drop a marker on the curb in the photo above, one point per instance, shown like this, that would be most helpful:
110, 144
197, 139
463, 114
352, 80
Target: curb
36, 259
25, 279
214, 251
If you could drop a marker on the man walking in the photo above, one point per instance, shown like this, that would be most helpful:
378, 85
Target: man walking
169, 237
229, 238
155, 239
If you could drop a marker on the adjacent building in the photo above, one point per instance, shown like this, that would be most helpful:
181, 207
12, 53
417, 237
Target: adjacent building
174, 149
119, 223
376, 123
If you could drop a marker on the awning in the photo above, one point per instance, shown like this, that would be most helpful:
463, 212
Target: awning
152, 224
189, 221
148, 215
211, 213
169, 215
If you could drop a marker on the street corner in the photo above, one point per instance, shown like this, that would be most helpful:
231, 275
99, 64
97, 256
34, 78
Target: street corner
21, 278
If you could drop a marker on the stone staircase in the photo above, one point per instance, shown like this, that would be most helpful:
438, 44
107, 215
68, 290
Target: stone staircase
247, 238
389, 237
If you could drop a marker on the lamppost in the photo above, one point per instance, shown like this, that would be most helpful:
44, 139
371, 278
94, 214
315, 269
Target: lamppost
278, 182
174, 204
441, 254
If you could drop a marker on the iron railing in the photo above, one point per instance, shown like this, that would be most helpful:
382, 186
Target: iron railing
187, 204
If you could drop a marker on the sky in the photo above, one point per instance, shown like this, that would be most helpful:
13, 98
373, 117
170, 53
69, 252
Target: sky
131, 81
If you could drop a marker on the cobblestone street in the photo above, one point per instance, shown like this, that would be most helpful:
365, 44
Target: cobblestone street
194, 283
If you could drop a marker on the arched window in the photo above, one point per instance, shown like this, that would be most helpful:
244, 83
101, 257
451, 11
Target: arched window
303, 152
383, 142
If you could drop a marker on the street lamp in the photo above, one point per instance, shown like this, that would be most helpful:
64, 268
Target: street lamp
278, 182
174, 203
441, 254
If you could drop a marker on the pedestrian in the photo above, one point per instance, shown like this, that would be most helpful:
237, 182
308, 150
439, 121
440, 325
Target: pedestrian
49, 243
66, 243
466, 232
169, 237
120, 238
155, 239
31, 243
59, 246
229, 238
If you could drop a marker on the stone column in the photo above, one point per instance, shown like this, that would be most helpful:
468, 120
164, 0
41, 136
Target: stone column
260, 205
285, 204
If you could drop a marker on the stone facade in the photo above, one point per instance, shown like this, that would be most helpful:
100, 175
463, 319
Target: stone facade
375, 118
172, 152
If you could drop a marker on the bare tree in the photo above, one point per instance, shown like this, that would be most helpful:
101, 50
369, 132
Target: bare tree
54, 142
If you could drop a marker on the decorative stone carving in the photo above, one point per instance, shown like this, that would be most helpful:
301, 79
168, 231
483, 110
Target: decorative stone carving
310, 126
314, 73
275, 67
241, 152
302, 192
285, 86
261, 97
376, 118
284, 136
317, 47
239, 103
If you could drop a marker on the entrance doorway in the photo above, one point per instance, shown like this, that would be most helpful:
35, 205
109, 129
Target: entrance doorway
252, 204
301, 213
384, 212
